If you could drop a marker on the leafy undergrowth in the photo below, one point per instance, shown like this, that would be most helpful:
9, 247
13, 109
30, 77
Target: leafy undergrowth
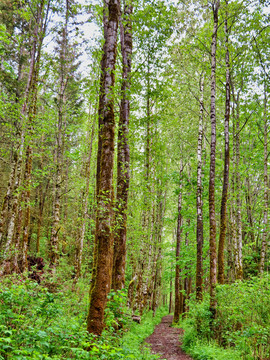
242, 325
38, 324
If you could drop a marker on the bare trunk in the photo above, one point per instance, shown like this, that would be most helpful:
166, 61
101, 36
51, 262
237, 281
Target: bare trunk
199, 265
8, 196
100, 124
27, 184
42, 197
266, 186
249, 212
187, 279
104, 220
239, 266
81, 230
177, 304
212, 212
58, 177
223, 210
123, 173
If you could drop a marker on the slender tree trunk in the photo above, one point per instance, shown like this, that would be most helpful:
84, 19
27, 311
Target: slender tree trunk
239, 265
82, 226
266, 187
42, 197
8, 196
177, 304
249, 212
104, 219
212, 212
171, 292
54, 241
158, 258
199, 265
123, 173
223, 210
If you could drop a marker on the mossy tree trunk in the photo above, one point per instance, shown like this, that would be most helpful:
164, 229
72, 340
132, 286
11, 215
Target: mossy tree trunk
123, 159
223, 210
102, 274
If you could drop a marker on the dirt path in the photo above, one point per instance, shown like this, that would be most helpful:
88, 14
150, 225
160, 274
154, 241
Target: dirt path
165, 341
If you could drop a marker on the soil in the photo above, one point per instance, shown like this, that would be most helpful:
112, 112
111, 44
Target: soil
165, 341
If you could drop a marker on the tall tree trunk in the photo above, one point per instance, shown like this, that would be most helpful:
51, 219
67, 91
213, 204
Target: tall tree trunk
223, 210
239, 265
104, 218
187, 279
249, 212
54, 241
42, 197
177, 304
82, 226
266, 187
199, 265
100, 124
212, 212
123, 176
156, 283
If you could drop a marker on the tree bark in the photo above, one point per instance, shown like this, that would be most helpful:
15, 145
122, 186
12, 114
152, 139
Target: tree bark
104, 219
199, 265
266, 187
223, 210
238, 232
54, 241
123, 173
212, 212
82, 226
177, 304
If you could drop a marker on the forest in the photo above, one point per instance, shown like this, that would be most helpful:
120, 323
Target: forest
134, 162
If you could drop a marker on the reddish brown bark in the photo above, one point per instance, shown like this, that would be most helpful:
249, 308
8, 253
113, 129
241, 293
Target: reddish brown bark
118, 279
101, 280
223, 209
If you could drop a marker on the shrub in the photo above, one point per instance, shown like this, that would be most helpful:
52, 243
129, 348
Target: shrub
39, 325
243, 323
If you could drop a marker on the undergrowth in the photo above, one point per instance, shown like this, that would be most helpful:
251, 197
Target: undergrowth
38, 324
242, 325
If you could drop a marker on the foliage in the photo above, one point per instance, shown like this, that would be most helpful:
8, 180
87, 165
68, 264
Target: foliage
243, 323
38, 324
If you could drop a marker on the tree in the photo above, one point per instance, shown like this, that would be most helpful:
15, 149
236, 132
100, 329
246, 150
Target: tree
212, 212
101, 278
223, 210
123, 153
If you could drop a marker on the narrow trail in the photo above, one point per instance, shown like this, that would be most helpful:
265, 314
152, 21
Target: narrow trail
165, 341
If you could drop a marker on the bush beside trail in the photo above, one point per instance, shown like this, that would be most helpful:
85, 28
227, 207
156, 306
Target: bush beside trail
242, 325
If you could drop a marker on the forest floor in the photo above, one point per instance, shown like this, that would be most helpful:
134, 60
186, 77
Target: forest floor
165, 341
